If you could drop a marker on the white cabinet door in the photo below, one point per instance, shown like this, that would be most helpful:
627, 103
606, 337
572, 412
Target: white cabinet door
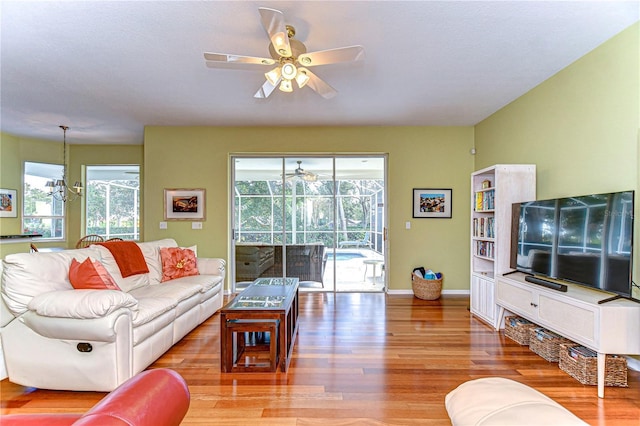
482, 299
517, 298
575, 320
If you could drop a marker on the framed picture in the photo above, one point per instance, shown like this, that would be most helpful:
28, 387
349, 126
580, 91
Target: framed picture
432, 203
8, 203
184, 204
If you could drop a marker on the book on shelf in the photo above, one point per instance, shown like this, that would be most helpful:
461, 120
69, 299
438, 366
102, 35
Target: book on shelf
485, 200
484, 227
485, 249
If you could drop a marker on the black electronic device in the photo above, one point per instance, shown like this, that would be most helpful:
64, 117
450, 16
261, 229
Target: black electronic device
586, 240
546, 283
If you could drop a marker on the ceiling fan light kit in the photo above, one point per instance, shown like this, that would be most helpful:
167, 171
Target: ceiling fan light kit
286, 86
289, 71
286, 52
274, 76
302, 78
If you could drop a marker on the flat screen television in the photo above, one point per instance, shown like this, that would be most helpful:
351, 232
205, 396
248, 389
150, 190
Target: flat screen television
586, 240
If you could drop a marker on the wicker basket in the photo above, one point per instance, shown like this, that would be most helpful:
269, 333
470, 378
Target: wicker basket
546, 344
517, 329
426, 289
584, 367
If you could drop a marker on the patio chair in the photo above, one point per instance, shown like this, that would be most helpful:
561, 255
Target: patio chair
365, 242
87, 240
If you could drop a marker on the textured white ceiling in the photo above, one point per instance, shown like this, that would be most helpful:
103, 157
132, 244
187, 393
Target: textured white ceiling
108, 68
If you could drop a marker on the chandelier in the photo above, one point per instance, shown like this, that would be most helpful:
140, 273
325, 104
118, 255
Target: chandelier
58, 188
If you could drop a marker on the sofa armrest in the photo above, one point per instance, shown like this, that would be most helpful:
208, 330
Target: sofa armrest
151, 398
103, 329
81, 304
212, 266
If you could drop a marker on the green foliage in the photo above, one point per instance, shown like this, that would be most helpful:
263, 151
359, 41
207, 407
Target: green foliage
262, 212
113, 203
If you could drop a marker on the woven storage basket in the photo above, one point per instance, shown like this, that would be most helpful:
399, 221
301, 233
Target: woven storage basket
517, 329
585, 368
546, 344
426, 289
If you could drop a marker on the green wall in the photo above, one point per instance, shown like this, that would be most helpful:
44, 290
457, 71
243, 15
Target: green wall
10, 178
580, 127
419, 157
14, 151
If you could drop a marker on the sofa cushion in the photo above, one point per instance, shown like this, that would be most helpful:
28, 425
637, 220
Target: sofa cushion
149, 308
177, 263
172, 290
25, 275
126, 284
128, 257
90, 275
151, 252
81, 304
185, 294
203, 282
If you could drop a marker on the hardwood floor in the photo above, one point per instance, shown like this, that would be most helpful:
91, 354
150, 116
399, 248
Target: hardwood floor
359, 359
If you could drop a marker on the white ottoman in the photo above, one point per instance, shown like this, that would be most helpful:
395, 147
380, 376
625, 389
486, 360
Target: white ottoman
499, 401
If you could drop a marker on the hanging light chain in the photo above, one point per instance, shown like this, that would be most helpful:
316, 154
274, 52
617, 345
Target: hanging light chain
58, 188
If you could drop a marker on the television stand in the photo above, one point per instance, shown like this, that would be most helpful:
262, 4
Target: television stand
616, 297
514, 271
546, 283
610, 328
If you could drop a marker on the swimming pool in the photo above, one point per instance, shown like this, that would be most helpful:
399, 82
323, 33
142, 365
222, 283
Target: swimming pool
345, 256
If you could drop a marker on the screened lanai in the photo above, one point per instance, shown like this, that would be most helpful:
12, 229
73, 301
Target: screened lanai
318, 218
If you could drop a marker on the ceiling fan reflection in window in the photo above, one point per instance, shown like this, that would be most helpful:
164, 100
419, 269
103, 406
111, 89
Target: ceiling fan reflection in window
302, 174
290, 58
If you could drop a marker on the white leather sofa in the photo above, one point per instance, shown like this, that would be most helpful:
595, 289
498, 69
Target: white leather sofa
55, 337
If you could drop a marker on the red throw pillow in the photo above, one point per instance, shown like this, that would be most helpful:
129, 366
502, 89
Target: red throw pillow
177, 263
90, 275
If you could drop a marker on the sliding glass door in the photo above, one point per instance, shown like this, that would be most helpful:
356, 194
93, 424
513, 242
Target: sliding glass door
318, 218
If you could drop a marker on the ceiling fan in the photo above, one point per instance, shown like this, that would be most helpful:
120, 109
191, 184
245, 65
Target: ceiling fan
301, 173
290, 58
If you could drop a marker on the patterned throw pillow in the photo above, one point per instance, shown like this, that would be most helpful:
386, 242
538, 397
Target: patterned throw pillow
90, 275
177, 263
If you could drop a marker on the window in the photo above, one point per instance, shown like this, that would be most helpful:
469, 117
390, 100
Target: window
41, 213
113, 201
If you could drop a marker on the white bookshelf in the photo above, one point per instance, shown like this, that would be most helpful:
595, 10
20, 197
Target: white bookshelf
493, 191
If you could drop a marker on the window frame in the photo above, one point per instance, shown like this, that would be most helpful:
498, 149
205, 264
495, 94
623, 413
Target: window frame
56, 171
122, 168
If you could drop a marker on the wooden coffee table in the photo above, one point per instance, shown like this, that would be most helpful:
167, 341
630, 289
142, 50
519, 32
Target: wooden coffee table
267, 305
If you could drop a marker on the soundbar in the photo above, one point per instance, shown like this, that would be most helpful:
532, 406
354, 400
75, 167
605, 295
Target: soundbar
545, 283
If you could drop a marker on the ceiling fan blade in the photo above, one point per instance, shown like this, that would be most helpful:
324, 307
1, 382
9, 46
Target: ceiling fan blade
266, 89
318, 85
238, 59
273, 23
332, 56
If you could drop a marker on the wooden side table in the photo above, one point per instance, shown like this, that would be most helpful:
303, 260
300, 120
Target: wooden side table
235, 336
